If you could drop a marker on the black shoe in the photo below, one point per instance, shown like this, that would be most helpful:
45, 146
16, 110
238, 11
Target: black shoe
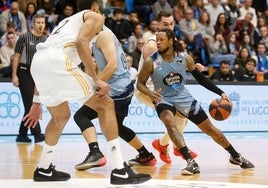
39, 138
21, 138
191, 168
93, 159
50, 174
149, 160
127, 176
242, 162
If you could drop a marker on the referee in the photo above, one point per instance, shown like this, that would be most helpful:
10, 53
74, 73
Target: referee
21, 77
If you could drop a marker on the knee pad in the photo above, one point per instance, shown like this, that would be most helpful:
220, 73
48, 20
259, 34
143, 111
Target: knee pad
84, 116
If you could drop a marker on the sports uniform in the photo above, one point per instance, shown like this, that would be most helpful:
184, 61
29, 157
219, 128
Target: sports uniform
58, 77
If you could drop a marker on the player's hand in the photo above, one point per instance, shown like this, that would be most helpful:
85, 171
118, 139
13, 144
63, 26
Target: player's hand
225, 97
156, 96
200, 67
31, 119
102, 88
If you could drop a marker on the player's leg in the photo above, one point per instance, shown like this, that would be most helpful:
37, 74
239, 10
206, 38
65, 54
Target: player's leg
45, 171
105, 108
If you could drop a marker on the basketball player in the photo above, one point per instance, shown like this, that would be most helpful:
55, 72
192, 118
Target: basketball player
167, 69
58, 80
165, 20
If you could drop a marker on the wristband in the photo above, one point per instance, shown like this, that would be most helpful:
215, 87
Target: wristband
36, 99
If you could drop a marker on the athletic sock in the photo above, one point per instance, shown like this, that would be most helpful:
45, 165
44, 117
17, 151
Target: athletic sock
94, 147
116, 155
143, 151
232, 151
185, 153
46, 157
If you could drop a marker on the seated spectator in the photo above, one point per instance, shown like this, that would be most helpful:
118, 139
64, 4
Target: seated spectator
13, 14
133, 71
217, 50
133, 20
119, 26
11, 28
144, 10
67, 11
262, 38
244, 26
257, 33
242, 57
136, 54
224, 73
152, 30
233, 45
207, 27
132, 39
262, 59
198, 8
248, 43
222, 26
6, 52
247, 73
191, 32
4, 5
29, 13
214, 8
247, 7
160, 5
232, 12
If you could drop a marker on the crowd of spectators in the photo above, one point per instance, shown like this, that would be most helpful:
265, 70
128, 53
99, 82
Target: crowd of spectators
217, 32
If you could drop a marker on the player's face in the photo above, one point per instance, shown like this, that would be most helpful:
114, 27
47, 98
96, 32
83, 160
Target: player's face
163, 43
167, 23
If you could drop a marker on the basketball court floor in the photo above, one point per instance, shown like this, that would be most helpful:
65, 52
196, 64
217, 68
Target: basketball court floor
18, 161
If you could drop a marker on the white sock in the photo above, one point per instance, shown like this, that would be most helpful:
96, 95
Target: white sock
116, 155
46, 157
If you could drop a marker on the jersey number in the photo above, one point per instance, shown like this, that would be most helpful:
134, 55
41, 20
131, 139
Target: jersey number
57, 29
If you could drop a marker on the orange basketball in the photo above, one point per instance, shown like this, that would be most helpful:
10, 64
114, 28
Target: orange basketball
220, 109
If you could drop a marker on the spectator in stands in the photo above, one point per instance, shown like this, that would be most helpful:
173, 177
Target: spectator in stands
178, 14
257, 33
11, 28
182, 5
247, 42
136, 54
262, 59
233, 45
144, 10
4, 5
263, 37
119, 26
152, 30
198, 8
244, 26
6, 52
217, 50
265, 15
207, 27
232, 12
242, 57
214, 8
224, 73
133, 71
133, 20
13, 14
246, 7
248, 72
159, 6
191, 32
222, 26
133, 38
67, 11
60, 4
29, 13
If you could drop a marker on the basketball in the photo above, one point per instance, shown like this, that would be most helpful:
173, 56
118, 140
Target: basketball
220, 109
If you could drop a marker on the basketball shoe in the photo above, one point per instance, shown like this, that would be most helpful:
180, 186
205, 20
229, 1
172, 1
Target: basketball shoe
191, 168
163, 151
50, 174
177, 152
242, 162
93, 159
141, 159
127, 176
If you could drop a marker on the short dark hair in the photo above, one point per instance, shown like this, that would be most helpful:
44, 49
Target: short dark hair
85, 4
164, 13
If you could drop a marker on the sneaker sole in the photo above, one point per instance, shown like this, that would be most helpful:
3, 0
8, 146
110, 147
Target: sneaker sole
40, 179
86, 166
152, 162
130, 181
186, 172
235, 163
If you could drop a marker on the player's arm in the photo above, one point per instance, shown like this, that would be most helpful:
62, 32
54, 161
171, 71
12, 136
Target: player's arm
92, 25
105, 43
143, 76
202, 80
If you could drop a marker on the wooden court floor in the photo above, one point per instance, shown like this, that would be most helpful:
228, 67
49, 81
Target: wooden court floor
18, 161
